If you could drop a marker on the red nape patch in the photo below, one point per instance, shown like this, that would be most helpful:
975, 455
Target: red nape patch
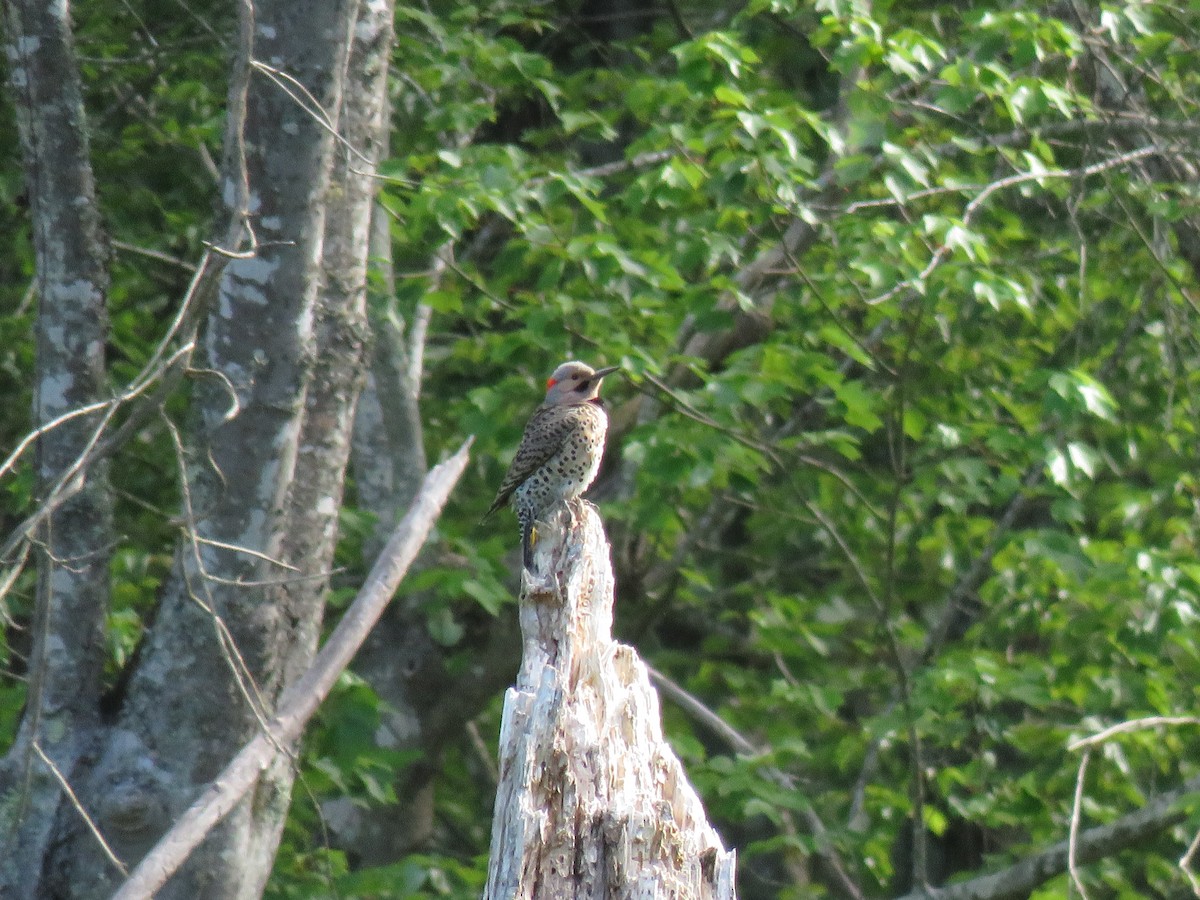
550, 382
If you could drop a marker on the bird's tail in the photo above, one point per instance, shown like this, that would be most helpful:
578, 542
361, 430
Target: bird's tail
496, 504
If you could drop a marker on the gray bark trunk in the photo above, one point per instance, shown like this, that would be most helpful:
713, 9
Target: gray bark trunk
592, 801
74, 541
240, 615
309, 530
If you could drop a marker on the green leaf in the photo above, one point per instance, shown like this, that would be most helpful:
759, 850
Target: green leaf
443, 627
860, 406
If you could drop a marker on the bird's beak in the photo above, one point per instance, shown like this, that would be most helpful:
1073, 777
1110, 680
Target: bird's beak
608, 370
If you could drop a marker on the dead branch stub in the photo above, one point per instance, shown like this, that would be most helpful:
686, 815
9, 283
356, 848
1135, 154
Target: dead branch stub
592, 801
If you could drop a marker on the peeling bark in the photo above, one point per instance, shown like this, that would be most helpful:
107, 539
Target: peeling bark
73, 543
592, 801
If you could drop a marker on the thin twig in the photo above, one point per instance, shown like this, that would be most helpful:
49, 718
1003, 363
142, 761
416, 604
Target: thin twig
1073, 838
83, 813
860, 573
10, 578
248, 552
216, 248
310, 104
691, 412
1185, 863
273, 582
483, 752
151, 253
1132, 725
641, 161
940, 254
236, 662
301, 699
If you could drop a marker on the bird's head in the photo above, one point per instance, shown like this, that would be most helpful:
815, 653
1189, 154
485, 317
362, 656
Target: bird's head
575, 382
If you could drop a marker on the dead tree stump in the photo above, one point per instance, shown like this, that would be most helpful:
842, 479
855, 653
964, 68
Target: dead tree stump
592, 802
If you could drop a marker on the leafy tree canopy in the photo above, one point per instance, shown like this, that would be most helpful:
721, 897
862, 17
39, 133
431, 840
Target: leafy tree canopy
902, 478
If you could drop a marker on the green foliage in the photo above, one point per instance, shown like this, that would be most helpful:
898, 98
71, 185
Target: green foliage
979, 328
932, 521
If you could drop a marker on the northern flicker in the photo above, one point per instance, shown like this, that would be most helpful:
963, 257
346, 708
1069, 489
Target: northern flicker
560, 450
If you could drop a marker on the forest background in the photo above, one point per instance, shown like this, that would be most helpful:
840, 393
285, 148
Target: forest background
901, 482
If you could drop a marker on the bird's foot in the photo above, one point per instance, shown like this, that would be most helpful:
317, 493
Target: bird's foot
574, 511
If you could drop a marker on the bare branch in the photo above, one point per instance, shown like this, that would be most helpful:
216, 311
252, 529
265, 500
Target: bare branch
980, 568
1130, 726
9, 579
83, 813
28, 441
1019, 879
151, 253
265, 557
310, 104
417, 333
827, 855
1073, 837
73, 477
1185, 863
942, 252
302, 698
1086, 744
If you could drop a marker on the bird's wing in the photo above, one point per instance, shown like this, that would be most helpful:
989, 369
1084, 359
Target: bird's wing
548, 428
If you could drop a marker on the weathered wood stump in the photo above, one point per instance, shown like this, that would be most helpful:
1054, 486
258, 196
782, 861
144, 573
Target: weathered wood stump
592, 801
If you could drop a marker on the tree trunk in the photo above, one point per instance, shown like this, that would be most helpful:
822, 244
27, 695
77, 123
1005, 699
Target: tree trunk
240, 616
592, 801
73, 542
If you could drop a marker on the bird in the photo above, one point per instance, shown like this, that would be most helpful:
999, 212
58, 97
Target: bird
560, 449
